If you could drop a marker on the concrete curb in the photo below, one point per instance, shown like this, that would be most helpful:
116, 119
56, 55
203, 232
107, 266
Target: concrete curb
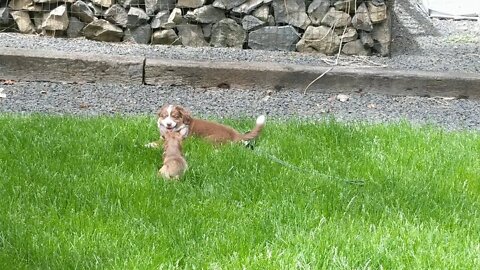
39, 65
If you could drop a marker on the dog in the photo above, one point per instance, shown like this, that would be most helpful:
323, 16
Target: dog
174, 163
176, 118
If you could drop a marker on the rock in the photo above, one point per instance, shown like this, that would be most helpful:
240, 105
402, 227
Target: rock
131, 3
366, 39
102, 30
262, 13
4, 16
291, 12
75, 27
104, 3
140, 35
382, 36
206, 14
227, 4
117, 15
377, 13
227, 33
342, 97
207, 31
97, 11
136, 17
271, 20
250, 22
350, 34
153, 6
166, 37
25, 5
247, 7
161, 20
191, 35
176, 17
24, 24
81, 10
378, 2
348, 6
57, 19
355, 48
336, 18
319, 39
317, 10
190, 3
273, 38
361, 19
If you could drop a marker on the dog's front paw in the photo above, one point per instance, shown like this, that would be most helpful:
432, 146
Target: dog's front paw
152, 145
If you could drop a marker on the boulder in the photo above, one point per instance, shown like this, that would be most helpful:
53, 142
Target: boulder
227, 33
75, 27
317, 10
176, 17
336, 18
190, 3
348, 6
117, 15
141, 34
161, 20
153, 6
206, 14
291, 12
273, 38
319, 39
361, 19
5, 16
382, 36
131, 3
136, 17
166, 37
81, 11
366, 39
355, 48
25, 5
104, 3
378, 13
262, 13
227, 4
24, 24
250, 22
247, 7
97, 11
349, 35
102, 30
56, 20
191, 35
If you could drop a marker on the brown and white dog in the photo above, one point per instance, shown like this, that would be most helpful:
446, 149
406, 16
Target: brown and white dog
174, 163
176, 118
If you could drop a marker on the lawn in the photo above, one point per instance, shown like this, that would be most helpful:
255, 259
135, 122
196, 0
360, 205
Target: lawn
83, 193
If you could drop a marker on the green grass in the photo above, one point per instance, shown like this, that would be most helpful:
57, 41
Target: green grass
83, 193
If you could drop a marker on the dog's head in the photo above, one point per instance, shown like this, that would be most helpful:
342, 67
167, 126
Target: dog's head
173, 118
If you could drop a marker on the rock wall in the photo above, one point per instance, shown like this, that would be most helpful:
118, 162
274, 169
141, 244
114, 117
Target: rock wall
356, 27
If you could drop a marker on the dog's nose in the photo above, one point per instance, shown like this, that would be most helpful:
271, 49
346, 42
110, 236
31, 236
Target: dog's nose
169, 125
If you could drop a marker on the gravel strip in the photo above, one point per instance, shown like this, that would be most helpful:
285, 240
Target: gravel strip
111, 99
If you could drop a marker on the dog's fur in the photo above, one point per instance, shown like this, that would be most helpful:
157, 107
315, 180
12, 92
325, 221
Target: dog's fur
176, 118
174, 163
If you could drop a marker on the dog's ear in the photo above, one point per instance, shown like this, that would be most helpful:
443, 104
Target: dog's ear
187, 119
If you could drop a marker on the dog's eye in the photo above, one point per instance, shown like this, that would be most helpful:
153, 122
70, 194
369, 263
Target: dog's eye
175, 115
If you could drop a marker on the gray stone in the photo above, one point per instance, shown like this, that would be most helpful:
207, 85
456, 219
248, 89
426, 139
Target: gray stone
161, 20
292, 12
227, 4
206, 14
271, 20
24, 24
190, 3
117, 15
355, 48
227, 33
153, 6
361, 19
262, 13
104, 3
38, 18
25, 5
56, 20
4, 16
136, 17
75, 27
274, 38
207, 31
382, 37
176, 17
336, 18
191, 35
366, 39
349, 35
166, 37
377, 13
247, 7
131, 3
250, 22
317, 10
53, 1
348, 6
140, 35
319, 39
97, 11
102, 30
81, 10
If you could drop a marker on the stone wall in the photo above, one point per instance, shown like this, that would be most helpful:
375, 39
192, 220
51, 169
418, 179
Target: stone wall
356, 27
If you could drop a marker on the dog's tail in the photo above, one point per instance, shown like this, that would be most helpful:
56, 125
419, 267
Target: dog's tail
256, 130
